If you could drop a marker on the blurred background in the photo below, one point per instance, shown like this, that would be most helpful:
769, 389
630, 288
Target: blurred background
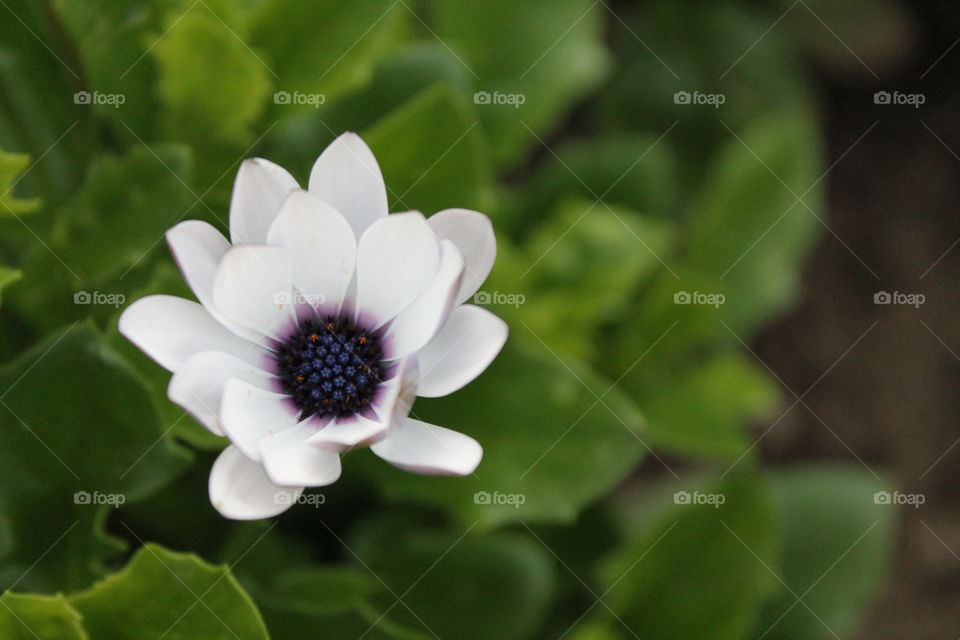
727, 252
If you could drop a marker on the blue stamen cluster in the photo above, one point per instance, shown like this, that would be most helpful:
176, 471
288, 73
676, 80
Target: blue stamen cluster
330, 367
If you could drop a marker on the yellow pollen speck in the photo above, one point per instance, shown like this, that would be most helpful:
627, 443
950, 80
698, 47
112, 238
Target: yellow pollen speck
314, 337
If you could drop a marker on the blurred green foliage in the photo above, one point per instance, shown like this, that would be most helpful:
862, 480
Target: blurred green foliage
610, 200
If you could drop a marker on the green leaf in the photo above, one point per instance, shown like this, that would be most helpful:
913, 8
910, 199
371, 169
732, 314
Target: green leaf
325, 47
704, 411
78, 436
580, 270
503, 582
556, 450
168, 594
7, 277
212, 86
29, 616
432, 154
550, 52
11, 166
700, 571
838, 543
749, 235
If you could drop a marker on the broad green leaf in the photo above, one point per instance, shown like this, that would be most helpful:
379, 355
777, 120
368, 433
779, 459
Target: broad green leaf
78, 436
627, 169
702, 570
549, 52
7, 277
162, 593
550, 447
11, 166
705, 410
458, 585
38, 116
578, 273
29, 616
838, 543
212, 85
325, 47
433, 154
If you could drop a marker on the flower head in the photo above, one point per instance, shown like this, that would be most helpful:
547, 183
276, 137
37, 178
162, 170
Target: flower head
318, 324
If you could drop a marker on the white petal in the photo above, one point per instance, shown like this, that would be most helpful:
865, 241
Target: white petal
472, 232
260, 189
348, 177
171, 329
346, 432
240, 490
197, 386
416, 324
425, 448
321, 245
461, 351
253, 287
249, 414
197, 248
397, 259
289, 460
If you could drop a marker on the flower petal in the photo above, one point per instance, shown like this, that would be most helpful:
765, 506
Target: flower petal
468, 342
289, 460
249, 414
425, 448
240, 489
253, 287
260, 189
397, 259
416, 324
197, 248
472, 232
321, 244
197, 386
171, 329
346, 432
348, 177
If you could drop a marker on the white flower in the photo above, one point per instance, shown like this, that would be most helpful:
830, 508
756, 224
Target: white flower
318, 326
